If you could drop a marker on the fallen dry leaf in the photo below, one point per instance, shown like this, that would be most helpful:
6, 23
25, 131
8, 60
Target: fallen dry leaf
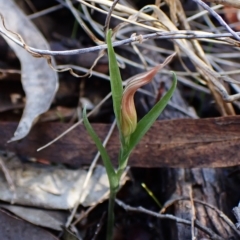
51, 187
40, 217
39, 81
15, 228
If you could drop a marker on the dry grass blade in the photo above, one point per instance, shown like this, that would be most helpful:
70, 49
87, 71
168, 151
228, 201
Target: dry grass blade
163, 24
83, 25
218, 17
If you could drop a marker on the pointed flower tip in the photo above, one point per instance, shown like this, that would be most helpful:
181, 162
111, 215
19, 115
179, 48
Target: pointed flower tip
128, 110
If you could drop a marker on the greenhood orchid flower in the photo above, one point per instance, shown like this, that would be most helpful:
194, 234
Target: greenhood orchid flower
130, 131
128, 110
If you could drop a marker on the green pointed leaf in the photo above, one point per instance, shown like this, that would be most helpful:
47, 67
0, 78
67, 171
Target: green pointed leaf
147, 121
115, 79
112, 176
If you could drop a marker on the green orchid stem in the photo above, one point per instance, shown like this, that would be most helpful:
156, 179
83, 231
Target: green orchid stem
122, 167
128, 143
112, 198
110, 221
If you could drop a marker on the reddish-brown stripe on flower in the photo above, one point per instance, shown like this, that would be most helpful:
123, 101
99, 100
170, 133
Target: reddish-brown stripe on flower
128, 113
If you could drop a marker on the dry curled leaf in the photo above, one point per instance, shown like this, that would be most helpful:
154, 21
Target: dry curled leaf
51, 187
39, 81
15, 228
41, 217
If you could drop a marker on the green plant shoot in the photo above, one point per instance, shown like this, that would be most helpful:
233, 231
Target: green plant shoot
130, 132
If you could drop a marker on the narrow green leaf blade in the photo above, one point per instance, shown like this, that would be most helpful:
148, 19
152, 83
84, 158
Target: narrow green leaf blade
106, 160
147, 121
115, 79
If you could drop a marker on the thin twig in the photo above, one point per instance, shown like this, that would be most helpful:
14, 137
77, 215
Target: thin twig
9, 71
90, 209
108, 18
134, 39
220, 213
99, 226
218, 17
45, 11
212, 234
76, 124
202, 13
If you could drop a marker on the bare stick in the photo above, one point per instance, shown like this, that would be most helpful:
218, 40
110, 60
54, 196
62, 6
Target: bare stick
90, 209
133, 39
108, 18
212, 234
99, 226
220, 213
218, 17
76, 124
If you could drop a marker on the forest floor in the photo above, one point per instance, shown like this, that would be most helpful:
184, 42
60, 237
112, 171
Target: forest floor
183, 178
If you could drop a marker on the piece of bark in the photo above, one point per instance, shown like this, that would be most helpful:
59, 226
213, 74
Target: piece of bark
208, 186
212, 142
